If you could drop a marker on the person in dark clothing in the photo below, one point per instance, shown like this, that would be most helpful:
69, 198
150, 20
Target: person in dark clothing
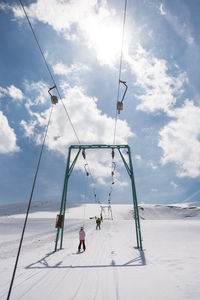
98, 223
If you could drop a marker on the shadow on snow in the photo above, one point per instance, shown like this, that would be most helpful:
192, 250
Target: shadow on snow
138, 261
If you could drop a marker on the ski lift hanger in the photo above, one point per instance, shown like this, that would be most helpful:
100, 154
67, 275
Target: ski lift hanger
54, 99
120, 103
95, 195
83, 153
86, 172
113, 153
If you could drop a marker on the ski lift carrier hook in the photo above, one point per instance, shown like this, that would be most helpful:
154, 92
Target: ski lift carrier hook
54, 99
120, 103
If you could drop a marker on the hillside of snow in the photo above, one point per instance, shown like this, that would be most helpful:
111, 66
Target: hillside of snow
111, 267
121, 212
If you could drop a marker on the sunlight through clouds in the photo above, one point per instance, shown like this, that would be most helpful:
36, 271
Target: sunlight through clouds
104, 35
90, 20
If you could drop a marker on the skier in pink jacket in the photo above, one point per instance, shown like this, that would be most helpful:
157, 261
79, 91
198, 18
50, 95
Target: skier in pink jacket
82, 239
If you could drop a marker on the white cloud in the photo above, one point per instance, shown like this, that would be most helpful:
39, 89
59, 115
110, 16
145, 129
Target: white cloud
7, 136
154, 190
5, 6
138, 157
91, 21
121, 183
3, 92
91, 125
12, 92
152, 165
159, 89
39, 90
162, 10
73, 73
179, 140
182, 28
17, 11
28, 128
173, 184
15, 93
61, 69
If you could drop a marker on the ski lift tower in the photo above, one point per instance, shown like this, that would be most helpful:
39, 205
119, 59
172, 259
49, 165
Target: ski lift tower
108, 209
69, 168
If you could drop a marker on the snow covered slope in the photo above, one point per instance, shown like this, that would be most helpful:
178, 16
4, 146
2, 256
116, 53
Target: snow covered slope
49, 209
111, 267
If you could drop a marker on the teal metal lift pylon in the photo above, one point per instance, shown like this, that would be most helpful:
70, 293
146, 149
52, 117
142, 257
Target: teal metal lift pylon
69, 169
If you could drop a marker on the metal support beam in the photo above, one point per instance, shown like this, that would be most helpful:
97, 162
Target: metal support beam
136, 212
74, 162
125, 163
129, 169
69, 169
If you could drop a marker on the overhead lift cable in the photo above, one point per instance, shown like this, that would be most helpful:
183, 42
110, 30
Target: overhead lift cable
52, 78
119, 80
28, 208
88, 170
50, 73
119, 106
54, 101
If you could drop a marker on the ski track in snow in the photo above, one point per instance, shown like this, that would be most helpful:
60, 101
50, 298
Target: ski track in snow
110, 268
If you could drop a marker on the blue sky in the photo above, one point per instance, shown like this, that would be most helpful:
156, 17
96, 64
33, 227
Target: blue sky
82, 42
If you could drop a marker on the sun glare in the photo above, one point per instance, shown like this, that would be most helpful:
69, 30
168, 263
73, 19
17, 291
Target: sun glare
106, 39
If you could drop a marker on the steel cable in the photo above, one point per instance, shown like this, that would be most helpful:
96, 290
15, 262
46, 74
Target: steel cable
50, 73
28, 208
120, 68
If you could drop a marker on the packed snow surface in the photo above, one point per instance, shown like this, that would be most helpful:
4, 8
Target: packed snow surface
111, 267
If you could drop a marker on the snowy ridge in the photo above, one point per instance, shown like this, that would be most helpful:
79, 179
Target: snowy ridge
169, 212
49, 209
